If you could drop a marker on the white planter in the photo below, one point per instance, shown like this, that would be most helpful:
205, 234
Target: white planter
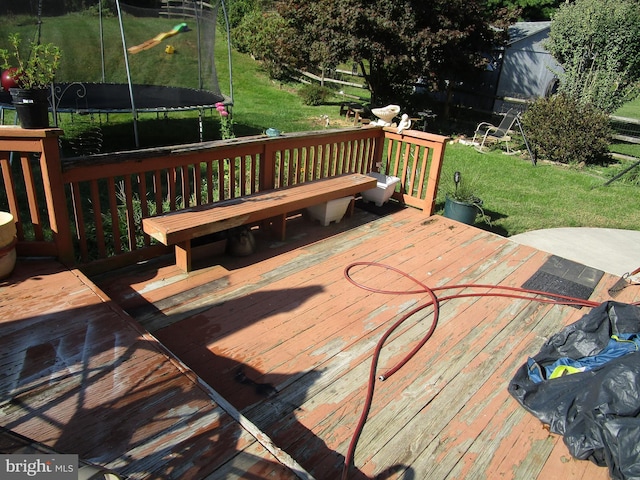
331, 211
384, 189
7, 244
386, 114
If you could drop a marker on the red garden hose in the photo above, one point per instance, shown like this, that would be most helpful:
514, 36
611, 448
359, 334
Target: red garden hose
508, 292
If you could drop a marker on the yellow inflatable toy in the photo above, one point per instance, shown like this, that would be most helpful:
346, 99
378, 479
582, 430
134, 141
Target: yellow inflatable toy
158, 39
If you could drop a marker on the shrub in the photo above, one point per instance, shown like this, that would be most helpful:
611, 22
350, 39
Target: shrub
314, 94
597, 42
563, 130
37, 69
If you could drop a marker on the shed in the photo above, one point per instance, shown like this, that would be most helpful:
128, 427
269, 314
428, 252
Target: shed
528, 71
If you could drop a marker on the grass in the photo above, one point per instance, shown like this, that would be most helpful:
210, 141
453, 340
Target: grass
517, 196
630, 109
520, 197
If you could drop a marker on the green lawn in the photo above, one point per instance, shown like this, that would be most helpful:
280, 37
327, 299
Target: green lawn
630, 109
520, 197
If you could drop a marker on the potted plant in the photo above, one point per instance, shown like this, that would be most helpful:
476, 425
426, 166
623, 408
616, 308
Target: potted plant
462, 203
32, 75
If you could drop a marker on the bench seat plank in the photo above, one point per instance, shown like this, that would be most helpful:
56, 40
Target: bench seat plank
180, 227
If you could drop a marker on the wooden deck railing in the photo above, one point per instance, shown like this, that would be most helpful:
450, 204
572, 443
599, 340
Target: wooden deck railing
33, 191
92, 206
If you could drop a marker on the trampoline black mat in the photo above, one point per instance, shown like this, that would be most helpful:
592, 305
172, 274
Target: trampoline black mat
564, 277
114, 97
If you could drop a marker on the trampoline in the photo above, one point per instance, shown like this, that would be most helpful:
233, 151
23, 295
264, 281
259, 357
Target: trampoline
199, 20
85, 98
106, 98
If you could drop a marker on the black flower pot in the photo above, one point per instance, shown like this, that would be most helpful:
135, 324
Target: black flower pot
32, 106
461, 211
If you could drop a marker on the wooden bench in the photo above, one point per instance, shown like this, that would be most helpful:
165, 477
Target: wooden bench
180, 227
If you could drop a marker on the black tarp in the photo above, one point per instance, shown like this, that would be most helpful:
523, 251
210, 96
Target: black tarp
598, 411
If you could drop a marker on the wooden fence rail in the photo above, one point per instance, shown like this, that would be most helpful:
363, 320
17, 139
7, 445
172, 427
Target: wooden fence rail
89, 209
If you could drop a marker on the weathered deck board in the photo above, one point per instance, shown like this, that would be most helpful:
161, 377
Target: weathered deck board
292, 320
79, 376
287, 317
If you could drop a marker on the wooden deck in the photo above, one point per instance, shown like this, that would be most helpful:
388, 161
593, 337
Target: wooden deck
79, 376
287, 341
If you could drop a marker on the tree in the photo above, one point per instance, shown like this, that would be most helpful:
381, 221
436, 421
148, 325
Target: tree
597, 42
394, 42
320, 31
531, 10
263, 35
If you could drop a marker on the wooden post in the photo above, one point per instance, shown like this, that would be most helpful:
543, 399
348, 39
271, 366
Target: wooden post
56, 198
434, 177
378, 151
183, 256
45, 142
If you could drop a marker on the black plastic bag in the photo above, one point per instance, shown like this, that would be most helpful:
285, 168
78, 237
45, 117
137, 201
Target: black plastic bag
598, 411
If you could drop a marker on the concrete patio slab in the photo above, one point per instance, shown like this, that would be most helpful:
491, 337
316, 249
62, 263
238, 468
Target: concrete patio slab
610, 250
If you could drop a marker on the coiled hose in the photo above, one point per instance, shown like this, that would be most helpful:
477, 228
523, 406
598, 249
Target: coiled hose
496, 291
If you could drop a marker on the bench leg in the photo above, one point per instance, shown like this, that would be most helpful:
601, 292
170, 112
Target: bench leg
351, 207
183, 256
279, 226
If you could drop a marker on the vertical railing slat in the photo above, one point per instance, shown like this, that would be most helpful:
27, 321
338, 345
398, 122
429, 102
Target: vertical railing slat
210, 181
423, 169
10, 189
185, 186
221, 179
32, 196
281, 165
81, 231
414, 155
144, 206
255, 169
404, 149
232, 177
113, 208
302, 165
327, 159
97, 218
197, 183
157, 188
171, 188
337, 167
391, 166
131, 226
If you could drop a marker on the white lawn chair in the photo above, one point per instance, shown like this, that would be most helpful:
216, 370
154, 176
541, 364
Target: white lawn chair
487, 132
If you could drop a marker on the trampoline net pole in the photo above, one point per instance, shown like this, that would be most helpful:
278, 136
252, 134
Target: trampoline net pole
134, 112
228, 30
101, 41
196, 13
